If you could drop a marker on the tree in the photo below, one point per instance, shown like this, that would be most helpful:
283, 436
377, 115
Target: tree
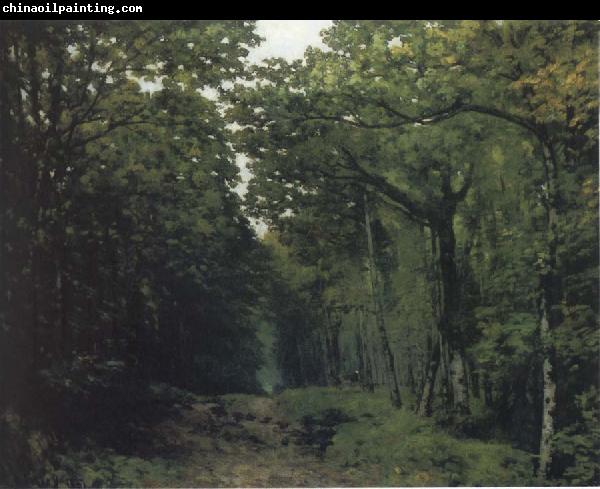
109, 190
393, 78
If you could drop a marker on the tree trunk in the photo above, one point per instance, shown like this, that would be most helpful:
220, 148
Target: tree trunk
365, 369
487, 391
303, 378
333, 346
411, 360
379, 319
325, 356
434, 355
425, 403
445, 386
411, 377
373, 351
474, 379
549, 399
458, 379
448, 327
550, 292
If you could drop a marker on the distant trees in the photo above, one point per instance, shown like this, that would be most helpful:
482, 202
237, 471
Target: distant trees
482, 134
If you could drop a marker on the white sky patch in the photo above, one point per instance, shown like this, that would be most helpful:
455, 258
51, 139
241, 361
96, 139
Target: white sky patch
241, 160
150, 86
287, 39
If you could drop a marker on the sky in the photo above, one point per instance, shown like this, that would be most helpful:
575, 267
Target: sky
287, 38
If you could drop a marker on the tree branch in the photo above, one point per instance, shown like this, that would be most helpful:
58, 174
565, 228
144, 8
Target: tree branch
412, 208
468, 181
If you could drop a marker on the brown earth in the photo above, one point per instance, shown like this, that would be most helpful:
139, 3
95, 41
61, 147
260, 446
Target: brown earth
246, 442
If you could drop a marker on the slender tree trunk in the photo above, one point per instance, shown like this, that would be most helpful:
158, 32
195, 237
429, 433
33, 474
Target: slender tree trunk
325, 357
425, 404
474, 380
333, 347
487, 391
12, 368
549, 399
372, 349
303, 377
410, 360
379, 318
411, 376
360, 357
445, 385
365, 372
550, 292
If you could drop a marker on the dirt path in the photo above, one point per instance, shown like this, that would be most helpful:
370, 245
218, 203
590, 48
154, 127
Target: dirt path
246, 442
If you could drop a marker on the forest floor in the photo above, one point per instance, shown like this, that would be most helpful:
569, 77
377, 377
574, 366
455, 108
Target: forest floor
313, 437
246, 441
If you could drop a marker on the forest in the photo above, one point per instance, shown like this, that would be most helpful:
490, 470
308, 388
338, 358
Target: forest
405, 291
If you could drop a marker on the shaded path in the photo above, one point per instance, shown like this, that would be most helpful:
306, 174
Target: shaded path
245, 441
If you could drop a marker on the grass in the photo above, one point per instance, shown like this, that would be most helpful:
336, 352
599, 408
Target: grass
395, 447
413, 451
105, 468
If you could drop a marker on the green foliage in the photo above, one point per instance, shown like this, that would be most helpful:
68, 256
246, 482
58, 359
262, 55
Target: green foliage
578, 444
474, 141
124, 250
105, 468
132, 205
412, 450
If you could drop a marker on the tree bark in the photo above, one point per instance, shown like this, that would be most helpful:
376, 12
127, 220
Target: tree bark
333, 347
425, 403
325, 356
550, 292
549, 399
303, 378
473, 375
458, 379
365, 369
380, 321
450, 331
487, 391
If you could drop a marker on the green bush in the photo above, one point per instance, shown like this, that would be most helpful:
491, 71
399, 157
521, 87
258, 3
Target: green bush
413, 451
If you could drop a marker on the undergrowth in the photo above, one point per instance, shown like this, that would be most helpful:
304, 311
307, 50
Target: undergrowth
412, 450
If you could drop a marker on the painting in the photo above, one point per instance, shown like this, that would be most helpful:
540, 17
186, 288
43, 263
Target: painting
298, 253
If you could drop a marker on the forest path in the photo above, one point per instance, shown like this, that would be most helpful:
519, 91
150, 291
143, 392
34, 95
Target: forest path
245, 441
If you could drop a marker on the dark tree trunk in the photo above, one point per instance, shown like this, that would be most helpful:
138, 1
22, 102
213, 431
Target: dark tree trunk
302, 380
365, 367
392, 379
487, 391
474, 379
549, 315
434, 350
333, 325
449, 328
425, 402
